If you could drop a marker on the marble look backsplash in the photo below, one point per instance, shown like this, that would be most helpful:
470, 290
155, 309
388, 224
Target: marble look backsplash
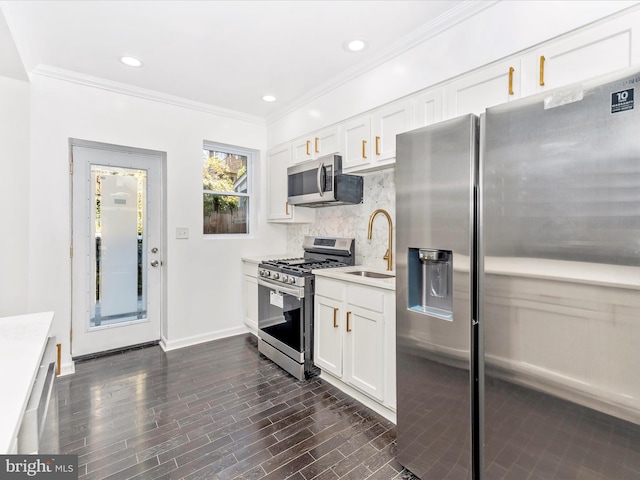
352, 221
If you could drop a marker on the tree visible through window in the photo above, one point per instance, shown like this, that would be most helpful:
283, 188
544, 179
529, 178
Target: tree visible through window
225, 185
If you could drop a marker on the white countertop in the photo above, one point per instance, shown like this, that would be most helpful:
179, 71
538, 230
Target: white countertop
22, 342
343, 274
261, 258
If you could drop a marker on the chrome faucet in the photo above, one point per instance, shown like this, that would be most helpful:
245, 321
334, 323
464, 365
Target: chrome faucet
389, 255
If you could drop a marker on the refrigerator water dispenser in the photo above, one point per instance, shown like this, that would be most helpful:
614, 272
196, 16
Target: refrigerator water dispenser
430, 276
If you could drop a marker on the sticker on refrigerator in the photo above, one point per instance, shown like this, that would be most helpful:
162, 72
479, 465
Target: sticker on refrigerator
276, 299
622, 101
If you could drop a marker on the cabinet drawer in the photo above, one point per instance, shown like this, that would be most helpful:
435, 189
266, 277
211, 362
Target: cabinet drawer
251, 269
368, 298
330, 288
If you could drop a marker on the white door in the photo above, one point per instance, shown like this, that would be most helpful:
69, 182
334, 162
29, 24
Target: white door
117, 249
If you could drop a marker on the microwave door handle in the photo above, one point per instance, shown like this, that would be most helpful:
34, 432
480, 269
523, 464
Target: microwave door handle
321, 179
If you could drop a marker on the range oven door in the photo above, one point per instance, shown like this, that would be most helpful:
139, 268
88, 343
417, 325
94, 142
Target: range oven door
281, 311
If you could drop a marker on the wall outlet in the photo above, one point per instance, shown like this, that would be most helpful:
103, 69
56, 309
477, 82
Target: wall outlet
182, 232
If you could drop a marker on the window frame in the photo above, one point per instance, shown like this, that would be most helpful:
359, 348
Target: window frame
210, 146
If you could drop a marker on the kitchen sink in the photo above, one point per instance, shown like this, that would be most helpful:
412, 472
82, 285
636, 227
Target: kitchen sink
364, 273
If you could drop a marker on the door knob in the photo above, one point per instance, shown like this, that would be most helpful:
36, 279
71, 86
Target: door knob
155, 263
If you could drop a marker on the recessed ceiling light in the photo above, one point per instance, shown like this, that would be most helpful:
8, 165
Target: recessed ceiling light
130, 61
356, 45
269, 98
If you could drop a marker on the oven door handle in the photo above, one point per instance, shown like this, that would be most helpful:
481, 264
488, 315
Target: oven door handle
296, 292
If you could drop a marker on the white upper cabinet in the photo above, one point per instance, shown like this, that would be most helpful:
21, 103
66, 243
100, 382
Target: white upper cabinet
428, 108
370, 140
357, 137
583, 55
386, 123
367, 142
278, 209
480, 89
318, 144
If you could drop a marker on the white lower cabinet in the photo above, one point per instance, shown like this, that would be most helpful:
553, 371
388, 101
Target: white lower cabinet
328, 334
354, 337
251, 295
364, 350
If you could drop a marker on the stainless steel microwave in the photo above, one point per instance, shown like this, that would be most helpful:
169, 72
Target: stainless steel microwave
321, 183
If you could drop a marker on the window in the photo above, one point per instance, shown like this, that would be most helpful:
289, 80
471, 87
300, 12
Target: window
226, 188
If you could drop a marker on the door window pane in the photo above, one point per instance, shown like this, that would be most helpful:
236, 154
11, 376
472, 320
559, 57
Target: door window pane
118, 245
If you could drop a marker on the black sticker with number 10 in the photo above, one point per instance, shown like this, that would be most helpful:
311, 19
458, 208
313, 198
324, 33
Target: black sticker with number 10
621, 101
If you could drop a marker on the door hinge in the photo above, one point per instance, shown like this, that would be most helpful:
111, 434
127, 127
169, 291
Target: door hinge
71, 167
71, 251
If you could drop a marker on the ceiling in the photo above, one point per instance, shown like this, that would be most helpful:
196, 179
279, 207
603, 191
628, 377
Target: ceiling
226, 54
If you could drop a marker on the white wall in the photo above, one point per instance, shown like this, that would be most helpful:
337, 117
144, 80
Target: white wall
203, 276
14, 195
502, 29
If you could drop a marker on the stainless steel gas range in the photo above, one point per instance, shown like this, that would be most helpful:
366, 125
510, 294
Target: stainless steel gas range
285, 302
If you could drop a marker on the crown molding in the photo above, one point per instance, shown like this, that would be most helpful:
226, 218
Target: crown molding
125, 89
452, 17
447, 20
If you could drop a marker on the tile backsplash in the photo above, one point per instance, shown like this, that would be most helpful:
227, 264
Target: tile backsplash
352, 221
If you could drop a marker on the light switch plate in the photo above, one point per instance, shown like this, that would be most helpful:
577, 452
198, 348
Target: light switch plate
182, 232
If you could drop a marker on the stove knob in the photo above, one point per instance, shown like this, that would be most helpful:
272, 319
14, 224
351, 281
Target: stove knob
276, 276
267, 273
292, 279
285, 278
262, 273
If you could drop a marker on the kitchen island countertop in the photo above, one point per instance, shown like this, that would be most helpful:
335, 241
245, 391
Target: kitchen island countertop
22, 342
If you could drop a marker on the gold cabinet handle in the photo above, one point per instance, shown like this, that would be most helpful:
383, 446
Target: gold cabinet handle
308, 145
335, 318
348, 323
377, 145
59, 361
364, 144
286, 208
511, 70
317, 149
542, 59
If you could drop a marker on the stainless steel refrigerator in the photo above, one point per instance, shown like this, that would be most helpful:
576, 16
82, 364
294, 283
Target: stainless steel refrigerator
550, 283
436, 173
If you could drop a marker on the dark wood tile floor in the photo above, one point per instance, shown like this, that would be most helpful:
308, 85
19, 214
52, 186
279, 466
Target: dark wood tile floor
216, 411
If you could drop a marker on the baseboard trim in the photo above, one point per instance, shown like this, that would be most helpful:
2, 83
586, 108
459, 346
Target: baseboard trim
115, 351
168, 345
362, 398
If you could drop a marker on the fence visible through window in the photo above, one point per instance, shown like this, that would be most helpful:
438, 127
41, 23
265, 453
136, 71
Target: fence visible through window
226, 195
